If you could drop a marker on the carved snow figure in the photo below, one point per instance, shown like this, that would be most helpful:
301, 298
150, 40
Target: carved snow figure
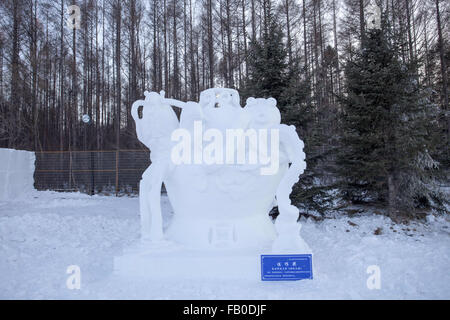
222, 204
242, 163
288, 231
153, 129
264, 114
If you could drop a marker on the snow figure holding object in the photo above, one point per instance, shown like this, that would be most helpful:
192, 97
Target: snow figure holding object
153, 130
221, 205
265, 114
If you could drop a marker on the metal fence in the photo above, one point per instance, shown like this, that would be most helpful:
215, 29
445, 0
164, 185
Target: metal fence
90, 171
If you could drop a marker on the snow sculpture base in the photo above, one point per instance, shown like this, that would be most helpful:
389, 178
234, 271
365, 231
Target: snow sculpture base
188, 264
172, 262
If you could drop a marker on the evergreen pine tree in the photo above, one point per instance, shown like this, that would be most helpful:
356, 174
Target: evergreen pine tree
270, 75
387, 129
268, 67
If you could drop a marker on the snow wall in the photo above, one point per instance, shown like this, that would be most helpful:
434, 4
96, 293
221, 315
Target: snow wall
16, 173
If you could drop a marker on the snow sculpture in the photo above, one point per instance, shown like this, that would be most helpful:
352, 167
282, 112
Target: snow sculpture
219, 200
153, 130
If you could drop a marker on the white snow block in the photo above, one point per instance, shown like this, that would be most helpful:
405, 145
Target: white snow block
195, 266
170, 261
16, 173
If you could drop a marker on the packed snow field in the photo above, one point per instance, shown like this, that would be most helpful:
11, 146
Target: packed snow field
44, 233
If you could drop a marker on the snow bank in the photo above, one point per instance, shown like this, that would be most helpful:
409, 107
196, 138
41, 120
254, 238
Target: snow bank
42, 235
16, 173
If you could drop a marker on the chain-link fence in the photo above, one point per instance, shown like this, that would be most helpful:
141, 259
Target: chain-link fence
91, 171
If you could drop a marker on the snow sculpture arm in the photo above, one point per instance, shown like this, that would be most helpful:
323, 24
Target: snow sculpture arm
191, 110
176, 103
138, 121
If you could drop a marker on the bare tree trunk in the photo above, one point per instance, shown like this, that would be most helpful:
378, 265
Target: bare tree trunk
288, 31
238, 49
443, 64
166, 64
392, 196
193, 78
73, 113
427, 60
62, 105
410, 39
210, 45
118, 72
253, 20
244, 32
322, 73
338, 71
185, 62
1, 67
104, 97
361, 20
97, 83
85, 60
229, 45
176, 71
133, 62
155, 54
34, 70
224, 50
317, 82
15, 80
305, 45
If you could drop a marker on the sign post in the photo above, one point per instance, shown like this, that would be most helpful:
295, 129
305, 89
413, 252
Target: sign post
286, 267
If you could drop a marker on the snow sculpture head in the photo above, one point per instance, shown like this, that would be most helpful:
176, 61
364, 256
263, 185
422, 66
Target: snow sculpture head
219, 97
225, 205
221, 108
262, 113
157, 120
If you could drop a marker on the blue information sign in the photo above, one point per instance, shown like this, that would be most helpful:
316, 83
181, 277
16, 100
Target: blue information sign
286, 267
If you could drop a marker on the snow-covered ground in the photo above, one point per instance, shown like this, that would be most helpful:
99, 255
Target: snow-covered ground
42, 235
